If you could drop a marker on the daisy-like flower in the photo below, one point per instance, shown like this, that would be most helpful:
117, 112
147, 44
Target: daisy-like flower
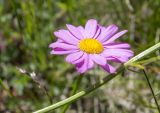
93, 44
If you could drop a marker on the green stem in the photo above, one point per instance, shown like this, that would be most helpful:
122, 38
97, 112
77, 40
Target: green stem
5, 88
143, 54
80, 94
149, 84
150, 60
75, 88
100, 83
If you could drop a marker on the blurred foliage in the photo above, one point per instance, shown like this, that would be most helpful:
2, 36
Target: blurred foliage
26, 30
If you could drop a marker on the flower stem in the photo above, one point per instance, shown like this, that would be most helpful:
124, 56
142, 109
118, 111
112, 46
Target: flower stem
149, 84
75, 88
143, 54
101, 82
80, 94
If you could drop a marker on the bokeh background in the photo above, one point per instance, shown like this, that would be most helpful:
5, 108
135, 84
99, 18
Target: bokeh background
26, 30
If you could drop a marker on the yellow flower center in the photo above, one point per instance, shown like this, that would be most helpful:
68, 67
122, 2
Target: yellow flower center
91, 46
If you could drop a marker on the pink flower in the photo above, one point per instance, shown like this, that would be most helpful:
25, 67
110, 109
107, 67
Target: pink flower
91, 45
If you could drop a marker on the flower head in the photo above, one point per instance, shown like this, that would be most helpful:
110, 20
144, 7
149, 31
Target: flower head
93, 44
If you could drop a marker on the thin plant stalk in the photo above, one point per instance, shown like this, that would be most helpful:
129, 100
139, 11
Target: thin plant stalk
75, 88
5, 88
143, 54
149, 84
81, 93
101, 82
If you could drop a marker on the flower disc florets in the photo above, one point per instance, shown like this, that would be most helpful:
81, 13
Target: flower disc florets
91, 46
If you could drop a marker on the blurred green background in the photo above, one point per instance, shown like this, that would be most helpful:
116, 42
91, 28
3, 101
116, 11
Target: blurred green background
26, 30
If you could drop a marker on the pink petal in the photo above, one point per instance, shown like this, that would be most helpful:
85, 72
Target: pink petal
58, 51
98, 59
66, 36
97, 32
120, 59
90, 28
117, 53
104, 28
74, 56
107, 33
63, 46
90, 62
109, 68
75, 31
110, 58
86, 64
59, 40
82, 66
80, 59
117, 35
117, 59
81, 29
117, 45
